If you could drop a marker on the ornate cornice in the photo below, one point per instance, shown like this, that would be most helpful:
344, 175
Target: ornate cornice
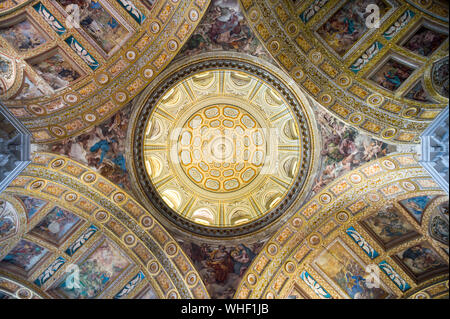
330, 79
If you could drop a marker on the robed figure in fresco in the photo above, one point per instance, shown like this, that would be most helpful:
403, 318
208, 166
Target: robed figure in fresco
242, 257
220, 260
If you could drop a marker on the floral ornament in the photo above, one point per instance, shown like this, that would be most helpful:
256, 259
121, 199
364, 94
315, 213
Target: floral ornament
314, 285
312, 10
81, 240
50, 271
366, 57
82, 53
132, 10
130, 286
365, 246
398, 25
394, 276
49, 18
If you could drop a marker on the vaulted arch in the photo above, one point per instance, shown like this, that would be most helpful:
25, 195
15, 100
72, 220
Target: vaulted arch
348, 63
98, 219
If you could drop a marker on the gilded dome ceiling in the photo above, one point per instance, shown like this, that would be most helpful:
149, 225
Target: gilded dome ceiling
374, 76
225, 149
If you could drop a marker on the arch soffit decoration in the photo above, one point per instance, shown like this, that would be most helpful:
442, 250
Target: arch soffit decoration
330, 79
118, 217
155, 35
10, 6
277, 270
20, 226
11, 285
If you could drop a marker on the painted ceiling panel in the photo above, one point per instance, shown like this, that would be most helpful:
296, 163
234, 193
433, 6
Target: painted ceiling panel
107, 86
75, 53
365, 74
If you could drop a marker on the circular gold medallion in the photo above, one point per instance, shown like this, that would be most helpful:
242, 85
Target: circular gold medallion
222, 148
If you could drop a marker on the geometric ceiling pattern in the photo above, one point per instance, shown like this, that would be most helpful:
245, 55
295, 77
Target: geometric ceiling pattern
323, 251
67, 74
81, 221
377, 78
113, 204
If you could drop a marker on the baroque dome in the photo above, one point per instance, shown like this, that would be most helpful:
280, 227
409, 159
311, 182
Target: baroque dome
222, 151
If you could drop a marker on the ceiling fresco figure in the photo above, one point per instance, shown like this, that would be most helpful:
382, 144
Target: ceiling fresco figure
224, 149
102, 148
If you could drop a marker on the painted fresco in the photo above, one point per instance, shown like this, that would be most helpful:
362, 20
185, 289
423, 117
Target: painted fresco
54, 105
7, 226
443, 209
32, 205
29, 90
416, 205
224, 28
5, 68
25, 255
221, 267
418, 93
56, 71
103, 28
390, 227
102, 148
8, 220
391, 74
342, 268
421, 259
23, 36
439, 229
345, 27
425, 41
104, 265
3, 87
55, 225
343, 149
